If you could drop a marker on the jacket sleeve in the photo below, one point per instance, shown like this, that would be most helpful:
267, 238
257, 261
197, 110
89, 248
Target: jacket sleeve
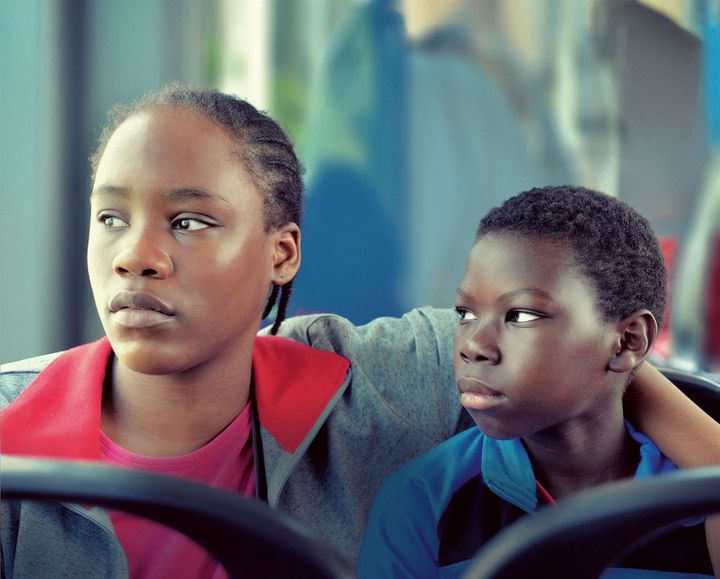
407, 361
400, 539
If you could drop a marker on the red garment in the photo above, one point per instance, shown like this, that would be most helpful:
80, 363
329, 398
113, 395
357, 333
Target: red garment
58, 414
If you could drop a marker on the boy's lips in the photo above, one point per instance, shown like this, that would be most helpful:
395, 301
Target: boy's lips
475, 395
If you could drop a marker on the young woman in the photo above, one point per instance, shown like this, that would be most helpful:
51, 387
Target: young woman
195, 205
195, 210
560, 303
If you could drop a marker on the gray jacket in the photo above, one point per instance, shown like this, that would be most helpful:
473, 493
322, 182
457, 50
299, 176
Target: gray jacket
396, 401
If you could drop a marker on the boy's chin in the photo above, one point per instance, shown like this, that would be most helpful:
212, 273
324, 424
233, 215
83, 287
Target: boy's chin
496, 431
500, 435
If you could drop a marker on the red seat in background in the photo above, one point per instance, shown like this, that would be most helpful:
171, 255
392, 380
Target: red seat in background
712, 333
663, 345
711, 343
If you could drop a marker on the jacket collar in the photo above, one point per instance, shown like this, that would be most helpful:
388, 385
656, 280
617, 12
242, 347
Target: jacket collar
293, 385
58, 414
507, 470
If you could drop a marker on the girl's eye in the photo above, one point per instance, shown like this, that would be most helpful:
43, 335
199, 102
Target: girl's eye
112, 221
521, 316
189, 224
465, 314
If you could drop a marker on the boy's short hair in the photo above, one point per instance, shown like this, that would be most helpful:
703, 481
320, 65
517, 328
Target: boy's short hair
614, 245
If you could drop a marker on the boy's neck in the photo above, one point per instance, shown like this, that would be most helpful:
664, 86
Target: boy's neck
170, 415
585, 455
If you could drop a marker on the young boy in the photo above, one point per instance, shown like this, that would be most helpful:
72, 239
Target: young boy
194, 235
561, 300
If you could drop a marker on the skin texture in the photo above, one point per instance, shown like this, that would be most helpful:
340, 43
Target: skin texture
556, 371
686, 434
174, 215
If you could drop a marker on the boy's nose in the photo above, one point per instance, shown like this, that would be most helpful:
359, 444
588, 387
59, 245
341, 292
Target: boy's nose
143, 257
481, 346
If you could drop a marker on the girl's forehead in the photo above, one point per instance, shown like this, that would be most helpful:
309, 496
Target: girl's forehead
172, 148
174, 134
178, 119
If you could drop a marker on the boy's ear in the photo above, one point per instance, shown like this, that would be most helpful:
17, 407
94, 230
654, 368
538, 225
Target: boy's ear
285, 253
636, 335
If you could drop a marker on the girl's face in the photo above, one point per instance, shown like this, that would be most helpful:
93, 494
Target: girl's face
179, 260
531, 350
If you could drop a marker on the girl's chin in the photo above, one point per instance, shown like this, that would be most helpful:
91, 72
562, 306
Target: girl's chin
151, 359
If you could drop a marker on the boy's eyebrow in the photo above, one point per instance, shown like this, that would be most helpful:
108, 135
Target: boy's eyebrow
525, 290
180, 193
464, 295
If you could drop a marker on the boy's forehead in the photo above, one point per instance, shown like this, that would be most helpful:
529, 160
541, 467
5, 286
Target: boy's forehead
496, 247
516, 261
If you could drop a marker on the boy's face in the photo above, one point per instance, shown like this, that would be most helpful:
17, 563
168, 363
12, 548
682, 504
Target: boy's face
531, 351
179, 260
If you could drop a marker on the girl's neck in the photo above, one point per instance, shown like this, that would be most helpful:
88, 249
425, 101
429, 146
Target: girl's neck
169, 415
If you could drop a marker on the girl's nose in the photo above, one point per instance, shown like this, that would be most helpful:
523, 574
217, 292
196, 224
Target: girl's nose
143, 257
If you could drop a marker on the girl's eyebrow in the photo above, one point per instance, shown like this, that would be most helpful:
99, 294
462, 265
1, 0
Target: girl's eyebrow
108, 190
195, 193
526, 290
172, 194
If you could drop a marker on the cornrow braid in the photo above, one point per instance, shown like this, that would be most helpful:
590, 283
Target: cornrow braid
282, 306
262, 147
284, 292
272, 298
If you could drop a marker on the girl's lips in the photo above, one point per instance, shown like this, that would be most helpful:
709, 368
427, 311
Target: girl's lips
138, 300
139, 318
474, 395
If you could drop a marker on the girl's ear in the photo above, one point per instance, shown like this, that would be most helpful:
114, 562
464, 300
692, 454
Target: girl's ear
636, 335
285, 253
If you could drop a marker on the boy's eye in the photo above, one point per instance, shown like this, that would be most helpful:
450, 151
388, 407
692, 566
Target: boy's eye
112, 221
189, 224
465, 314
521, 316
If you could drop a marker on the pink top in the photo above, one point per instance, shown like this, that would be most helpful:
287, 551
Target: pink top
155, 551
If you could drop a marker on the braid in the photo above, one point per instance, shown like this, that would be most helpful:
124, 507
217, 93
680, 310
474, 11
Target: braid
262, 147
271, 301
282, 308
